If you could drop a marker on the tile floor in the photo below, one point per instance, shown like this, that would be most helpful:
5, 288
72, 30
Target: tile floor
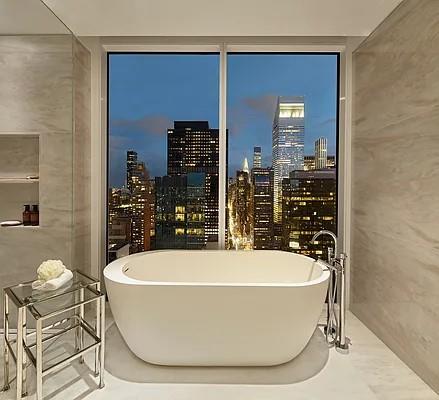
371, 371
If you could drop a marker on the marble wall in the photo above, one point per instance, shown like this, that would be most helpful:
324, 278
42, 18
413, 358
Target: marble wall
36, 99
44, 84
82, 157
395, 219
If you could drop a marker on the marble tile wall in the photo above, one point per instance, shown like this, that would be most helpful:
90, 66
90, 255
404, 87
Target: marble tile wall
36, 83
395, 219
19, 155
42, 90
82, 157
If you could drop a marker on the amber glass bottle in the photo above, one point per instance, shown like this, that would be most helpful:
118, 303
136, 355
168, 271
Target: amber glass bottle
26, 215
35, 215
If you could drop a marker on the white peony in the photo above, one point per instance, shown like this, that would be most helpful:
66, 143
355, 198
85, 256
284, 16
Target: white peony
50, 269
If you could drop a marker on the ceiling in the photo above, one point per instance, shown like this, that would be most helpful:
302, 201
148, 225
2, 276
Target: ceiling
28, 17
222, 17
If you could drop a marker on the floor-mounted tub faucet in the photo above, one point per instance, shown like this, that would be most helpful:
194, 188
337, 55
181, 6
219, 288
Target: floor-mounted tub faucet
331, 253
336, 264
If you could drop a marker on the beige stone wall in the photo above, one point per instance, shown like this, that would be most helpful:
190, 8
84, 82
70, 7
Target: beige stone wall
45, 94
36, 99
82, 158
395, 220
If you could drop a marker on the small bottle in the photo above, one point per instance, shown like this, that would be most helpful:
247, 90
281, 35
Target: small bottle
35, 215
26, 215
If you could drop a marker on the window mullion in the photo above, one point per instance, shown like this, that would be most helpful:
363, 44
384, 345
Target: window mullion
222, 147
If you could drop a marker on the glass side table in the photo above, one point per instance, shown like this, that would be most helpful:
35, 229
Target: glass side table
56, 313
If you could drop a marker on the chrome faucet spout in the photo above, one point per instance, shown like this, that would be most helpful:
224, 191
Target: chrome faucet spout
326, 232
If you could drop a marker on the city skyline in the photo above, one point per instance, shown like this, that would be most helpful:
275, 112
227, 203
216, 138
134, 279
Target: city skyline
180, 209
143, 106
281, 180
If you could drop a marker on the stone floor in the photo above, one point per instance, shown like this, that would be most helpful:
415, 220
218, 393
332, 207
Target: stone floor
369, 371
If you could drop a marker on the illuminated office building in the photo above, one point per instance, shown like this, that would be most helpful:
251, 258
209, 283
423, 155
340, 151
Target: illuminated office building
130, 208
309, 205
288, 144
151, 212
140, 208
119, 215
193, 147
180, 211
263, 224
119, 223
257, 157
330, 162
240, 207
131, 166
321, 153
309, 162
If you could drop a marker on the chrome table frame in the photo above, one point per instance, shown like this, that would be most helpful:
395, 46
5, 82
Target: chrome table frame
78, 324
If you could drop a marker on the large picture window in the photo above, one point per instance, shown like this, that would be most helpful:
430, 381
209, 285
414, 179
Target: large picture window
282, 118
165, 146
163, 152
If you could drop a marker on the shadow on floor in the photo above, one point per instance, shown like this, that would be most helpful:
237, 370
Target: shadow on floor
123, 364
76, 376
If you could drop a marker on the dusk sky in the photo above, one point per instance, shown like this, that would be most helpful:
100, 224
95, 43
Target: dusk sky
149, 91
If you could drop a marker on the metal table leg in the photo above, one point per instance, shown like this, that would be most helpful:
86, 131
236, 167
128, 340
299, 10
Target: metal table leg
5, 341
76, 320
39, 359
19, 351
98, 331
102, 346
81, 316
24, 329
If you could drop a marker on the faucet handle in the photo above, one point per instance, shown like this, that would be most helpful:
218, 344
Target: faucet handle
330, 254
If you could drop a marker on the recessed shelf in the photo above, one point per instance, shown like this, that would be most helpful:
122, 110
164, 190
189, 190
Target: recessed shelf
19, 175
18, 180
21, 227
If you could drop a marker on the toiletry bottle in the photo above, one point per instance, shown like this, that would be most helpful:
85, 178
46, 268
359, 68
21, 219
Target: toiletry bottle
26, 215
35, 215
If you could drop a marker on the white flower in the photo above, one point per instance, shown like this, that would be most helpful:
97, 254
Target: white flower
50, 269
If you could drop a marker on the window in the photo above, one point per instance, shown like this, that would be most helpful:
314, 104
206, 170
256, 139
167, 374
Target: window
165, 148
282, 113
163, 151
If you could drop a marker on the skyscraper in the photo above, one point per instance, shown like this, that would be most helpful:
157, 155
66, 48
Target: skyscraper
263, 226
321, 153
180, 205
140, 207
131, 167
309, 205
240, 206
257, 157
194, 147
119, 216
309, 162
288, 144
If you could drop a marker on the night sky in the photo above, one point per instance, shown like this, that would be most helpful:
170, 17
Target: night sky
148, 92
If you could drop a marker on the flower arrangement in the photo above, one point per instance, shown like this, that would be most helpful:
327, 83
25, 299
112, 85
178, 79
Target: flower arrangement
50, 269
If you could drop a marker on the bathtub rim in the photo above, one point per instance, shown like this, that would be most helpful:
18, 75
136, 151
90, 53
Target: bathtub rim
114, 273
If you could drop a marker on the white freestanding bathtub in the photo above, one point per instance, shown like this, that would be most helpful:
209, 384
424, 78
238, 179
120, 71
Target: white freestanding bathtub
216, 308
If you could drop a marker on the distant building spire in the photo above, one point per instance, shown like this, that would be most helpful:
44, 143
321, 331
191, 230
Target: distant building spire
245, 165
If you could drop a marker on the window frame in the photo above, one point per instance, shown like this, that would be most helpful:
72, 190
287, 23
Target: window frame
342, 47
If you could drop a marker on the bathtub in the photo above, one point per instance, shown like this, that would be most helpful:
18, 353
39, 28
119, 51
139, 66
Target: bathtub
216, 308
